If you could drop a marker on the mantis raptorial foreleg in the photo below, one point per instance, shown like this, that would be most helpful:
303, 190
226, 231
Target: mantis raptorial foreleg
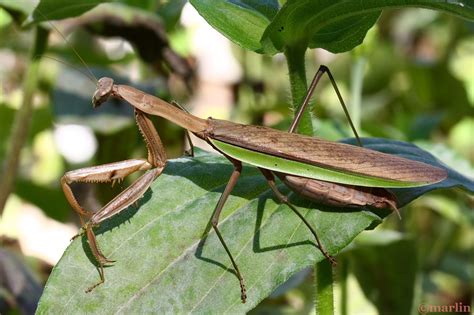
112, 172
189, 152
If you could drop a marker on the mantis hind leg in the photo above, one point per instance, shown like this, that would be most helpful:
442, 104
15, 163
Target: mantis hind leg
215, 220
322, 69
269, 175
284, 199
388, 202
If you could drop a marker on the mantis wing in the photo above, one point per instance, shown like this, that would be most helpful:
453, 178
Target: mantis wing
319, 159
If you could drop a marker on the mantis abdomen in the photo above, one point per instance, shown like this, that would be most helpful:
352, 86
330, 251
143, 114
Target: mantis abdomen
339, 195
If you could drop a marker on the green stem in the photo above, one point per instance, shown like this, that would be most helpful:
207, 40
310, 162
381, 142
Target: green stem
357, 82
344, 272
298, 85
21, 124
324, 301
295, 58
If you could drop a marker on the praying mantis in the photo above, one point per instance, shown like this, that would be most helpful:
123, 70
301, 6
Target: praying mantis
327, 172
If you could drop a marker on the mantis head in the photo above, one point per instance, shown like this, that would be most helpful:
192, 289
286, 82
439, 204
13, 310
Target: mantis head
104, 89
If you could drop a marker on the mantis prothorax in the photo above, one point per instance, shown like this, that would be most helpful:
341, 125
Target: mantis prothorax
327, 172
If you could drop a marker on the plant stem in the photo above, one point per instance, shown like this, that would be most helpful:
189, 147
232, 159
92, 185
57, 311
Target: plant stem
298, 85
21, 124
324, 300
344, 272
357, 82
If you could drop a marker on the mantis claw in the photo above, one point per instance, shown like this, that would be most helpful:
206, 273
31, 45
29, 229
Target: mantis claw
104, 260
331, 259
81, 232
89, 289
395, 209
243, 291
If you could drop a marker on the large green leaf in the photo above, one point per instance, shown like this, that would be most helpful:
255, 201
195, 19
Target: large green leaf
167, 264
242, 21
335, 25
339, 26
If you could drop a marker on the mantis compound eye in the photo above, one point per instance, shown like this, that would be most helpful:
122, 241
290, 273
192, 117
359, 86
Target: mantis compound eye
104, 88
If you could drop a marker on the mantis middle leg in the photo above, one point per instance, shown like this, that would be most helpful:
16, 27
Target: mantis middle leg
215, 221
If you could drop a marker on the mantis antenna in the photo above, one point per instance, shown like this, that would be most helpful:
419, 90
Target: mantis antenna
90, 75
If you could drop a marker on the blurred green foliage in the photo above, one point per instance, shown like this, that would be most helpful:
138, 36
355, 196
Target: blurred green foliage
416, 84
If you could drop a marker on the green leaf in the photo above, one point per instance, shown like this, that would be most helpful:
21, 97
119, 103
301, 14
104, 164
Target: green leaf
339, 26
61, 9
242, 21
169, 260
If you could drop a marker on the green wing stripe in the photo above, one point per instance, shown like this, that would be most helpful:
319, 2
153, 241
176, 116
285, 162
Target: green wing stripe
282, 165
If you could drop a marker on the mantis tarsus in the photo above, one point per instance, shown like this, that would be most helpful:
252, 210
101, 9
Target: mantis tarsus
327, 172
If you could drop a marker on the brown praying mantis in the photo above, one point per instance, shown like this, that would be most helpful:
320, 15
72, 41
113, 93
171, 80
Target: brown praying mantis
327, 172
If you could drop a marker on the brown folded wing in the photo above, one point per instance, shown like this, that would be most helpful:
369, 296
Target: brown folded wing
331, 155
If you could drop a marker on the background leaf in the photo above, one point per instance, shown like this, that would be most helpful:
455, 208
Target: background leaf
24, 7
62, 9
181, 269
18, 281
387, 283
241, 21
